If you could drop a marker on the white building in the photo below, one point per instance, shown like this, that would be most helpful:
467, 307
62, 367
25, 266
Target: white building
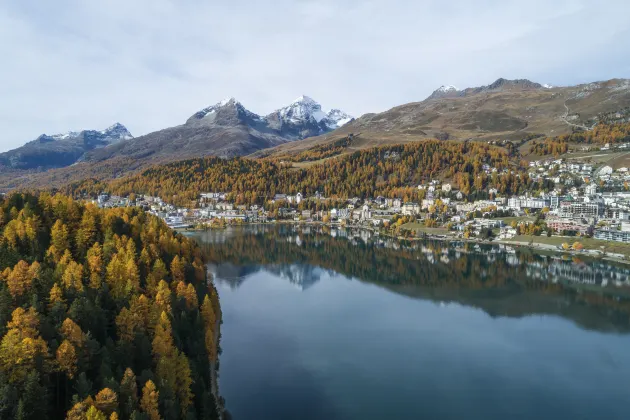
605, 170
590, 189
410, 209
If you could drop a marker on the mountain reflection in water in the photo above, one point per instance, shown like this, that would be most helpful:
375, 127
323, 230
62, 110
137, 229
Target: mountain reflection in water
341, 324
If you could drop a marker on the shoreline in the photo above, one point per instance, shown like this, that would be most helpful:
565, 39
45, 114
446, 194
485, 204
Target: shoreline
519, 244
214, 377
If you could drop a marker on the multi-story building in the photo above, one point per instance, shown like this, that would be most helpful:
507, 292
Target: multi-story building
560, 225
528, 203
581, 209
612, 235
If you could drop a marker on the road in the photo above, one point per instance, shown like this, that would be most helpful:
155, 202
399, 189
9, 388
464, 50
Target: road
566, 115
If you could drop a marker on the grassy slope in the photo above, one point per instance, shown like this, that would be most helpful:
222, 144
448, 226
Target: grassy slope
511, 115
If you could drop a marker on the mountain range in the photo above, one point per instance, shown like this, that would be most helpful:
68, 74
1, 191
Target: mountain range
59, 150
225, 129
505, 109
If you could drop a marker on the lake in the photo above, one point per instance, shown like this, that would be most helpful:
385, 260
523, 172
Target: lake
340, 324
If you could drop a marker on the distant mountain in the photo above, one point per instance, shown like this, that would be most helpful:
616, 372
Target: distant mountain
61, 150
503, 110
498, 86
227, 129
304, 118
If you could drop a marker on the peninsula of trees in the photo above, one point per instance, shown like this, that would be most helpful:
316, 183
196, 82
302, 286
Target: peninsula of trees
104, 314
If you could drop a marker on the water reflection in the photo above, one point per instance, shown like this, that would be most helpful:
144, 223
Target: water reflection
321, 324
496, 278
302, 276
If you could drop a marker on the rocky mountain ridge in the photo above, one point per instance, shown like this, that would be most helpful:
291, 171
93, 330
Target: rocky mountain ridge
59, 150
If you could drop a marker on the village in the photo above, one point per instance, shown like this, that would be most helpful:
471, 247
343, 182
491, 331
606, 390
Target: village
585, 202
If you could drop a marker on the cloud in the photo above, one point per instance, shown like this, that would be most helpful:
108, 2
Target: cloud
70, 64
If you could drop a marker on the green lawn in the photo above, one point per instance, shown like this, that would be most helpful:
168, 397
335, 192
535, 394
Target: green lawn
419, 227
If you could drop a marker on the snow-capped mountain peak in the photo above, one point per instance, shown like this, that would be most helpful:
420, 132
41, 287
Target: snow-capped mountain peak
447, 88
117, 132
305, 100
228, 101
336, 118
111, 134
445, 91
225, 103
305, 109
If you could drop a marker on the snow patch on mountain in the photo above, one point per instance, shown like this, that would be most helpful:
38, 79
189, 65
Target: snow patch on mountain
336, 118
227, 103
117, 132
447, 88
306, 110
303, 109
112, 134
64, 136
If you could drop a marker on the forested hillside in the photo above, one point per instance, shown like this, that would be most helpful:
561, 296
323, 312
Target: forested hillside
104, 314
392, 171
600, 135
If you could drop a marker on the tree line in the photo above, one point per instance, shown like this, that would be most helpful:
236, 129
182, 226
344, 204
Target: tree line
612, 133
388, 171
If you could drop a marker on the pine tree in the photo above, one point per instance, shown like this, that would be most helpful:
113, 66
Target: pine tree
87, 233
22, 349
128, 393
19, 280
95, 265
163, 297
72, 278
183, 383
106, 401
67, 358
188, 293
94, 413
56, 297
149, 401
33, 403
178, 270
73, 333
158, 273
59, 238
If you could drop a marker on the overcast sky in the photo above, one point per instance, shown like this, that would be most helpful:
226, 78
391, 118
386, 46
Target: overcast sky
150, 64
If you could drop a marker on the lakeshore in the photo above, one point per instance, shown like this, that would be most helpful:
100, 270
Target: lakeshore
537, 243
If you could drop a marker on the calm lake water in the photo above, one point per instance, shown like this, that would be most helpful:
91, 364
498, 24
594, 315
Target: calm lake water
322, 324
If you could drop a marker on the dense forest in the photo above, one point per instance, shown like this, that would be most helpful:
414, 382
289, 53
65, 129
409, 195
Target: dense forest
389, 171
318, 152
104, 314
600, 135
